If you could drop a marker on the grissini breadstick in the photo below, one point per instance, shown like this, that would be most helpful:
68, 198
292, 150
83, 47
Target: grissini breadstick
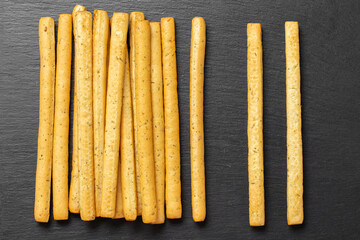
135, 16
119, 210
74, 194
61, 120
127, 153
46, 119
295, 211
197, 59
171, 113
144, 122
100, 45
83, 58
119, 28
255, 125
158, 119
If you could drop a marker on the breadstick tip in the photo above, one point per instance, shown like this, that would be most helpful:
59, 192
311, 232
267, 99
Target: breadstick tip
198, 20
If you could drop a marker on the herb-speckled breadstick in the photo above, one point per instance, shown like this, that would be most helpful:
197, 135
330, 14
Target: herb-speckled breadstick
171, 114
119, 208
127, 152
61, 120
100, 54
83, 58
295, 212
46, 119
197, 59
145, 147
255, 125
74, 194
158, 118
134, 17
117, 55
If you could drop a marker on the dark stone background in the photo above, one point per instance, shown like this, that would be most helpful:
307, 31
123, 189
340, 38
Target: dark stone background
330, 55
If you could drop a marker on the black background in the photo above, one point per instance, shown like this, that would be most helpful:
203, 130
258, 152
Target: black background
330, 56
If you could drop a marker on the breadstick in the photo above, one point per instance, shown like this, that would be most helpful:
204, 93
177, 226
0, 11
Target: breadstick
83, 53
144, 120
100, 44
119, 209
295, 211
158, 118
171, 113
119, 212
74, 194
255, 125
119, 28
46, 119
61, 120
127, 153
135, 16
197, 59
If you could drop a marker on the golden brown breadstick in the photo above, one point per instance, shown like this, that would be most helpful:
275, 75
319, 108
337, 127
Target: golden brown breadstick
119, 212
158, 119
61, 120
74, 194
119, 28
46, 119
100, 45
135, 16
144, 120
171, 113
127, 153
295, 211
255, 125
197, 59
83, 53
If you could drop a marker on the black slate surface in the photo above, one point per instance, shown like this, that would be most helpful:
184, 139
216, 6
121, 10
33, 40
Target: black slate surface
330, 56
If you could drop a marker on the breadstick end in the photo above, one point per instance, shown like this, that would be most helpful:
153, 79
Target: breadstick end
291, 23
257, 224
46, 20
198, 20
298, 221
42, 218
253, 27
199, 218
78, 8
166, 20
137, 15
65, 15
120, 16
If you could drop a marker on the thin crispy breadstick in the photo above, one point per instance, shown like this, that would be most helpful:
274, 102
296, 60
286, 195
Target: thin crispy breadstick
121, 196
119, 210
171, 113
127, 153
255, 125
46, 119
295, 211
83, 53
197, 59
158, 118
135, 16
119, 28
74, 194
61, 120
144, 120
100, 45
